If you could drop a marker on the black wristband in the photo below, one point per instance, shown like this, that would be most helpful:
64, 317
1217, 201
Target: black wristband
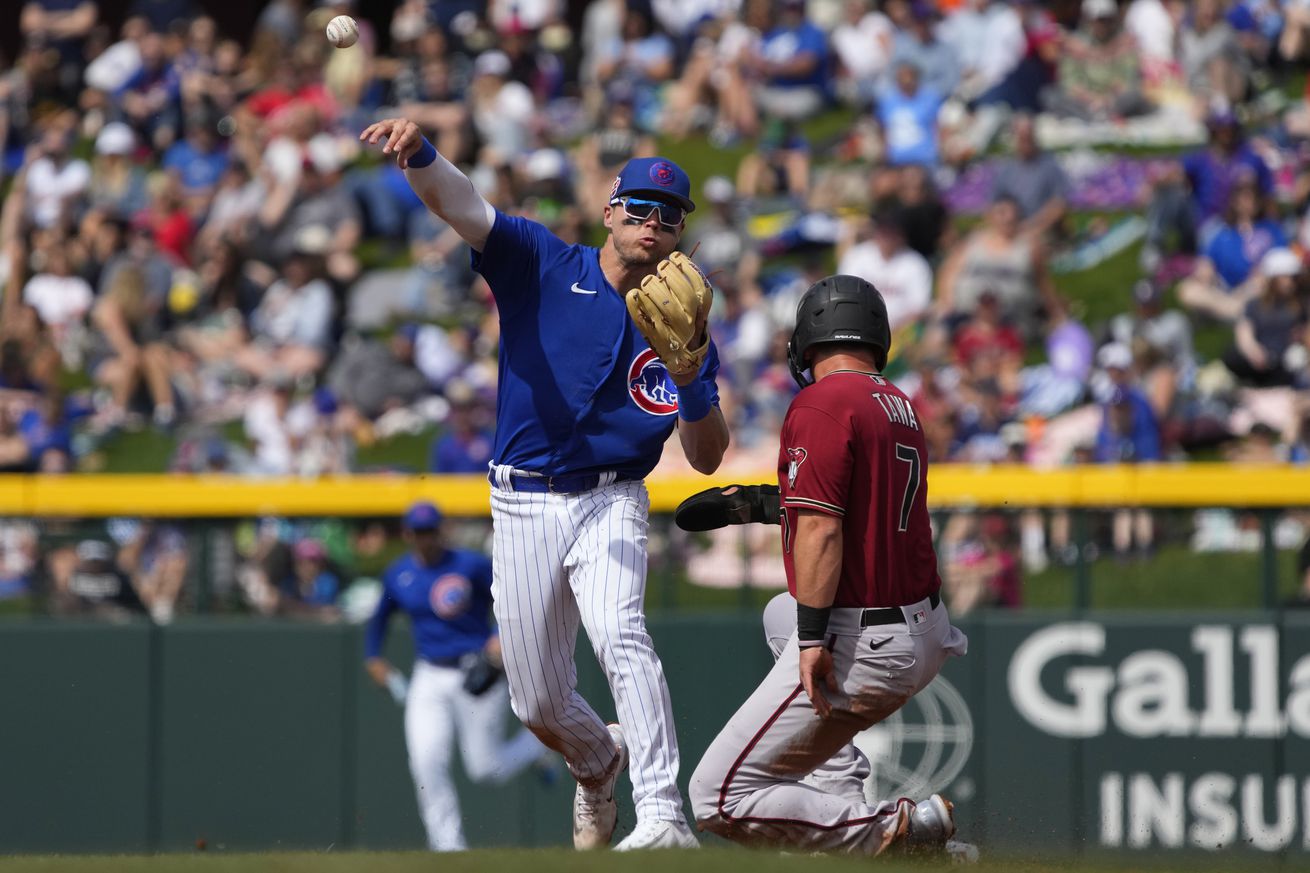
811, 624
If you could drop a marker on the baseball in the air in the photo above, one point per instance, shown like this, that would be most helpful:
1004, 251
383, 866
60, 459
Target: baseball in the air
342, 31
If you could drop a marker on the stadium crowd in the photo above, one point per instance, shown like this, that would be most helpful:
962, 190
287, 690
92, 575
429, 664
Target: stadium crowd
192, 239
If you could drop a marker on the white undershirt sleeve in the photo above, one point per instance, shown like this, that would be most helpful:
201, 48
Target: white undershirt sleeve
452, 198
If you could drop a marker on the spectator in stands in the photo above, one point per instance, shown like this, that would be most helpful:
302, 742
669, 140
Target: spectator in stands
1130, 431
1129, 434
437, 283
502, 109
86, 581
312, 589
1207, 294
1100, 75
862, 44
989, 40
986, 341
719, 239
641, 60
790, 66
57, 182
118, 183
36, 435
1161, 341
372, 378
291, 327
1195, 193
130, 349
167, 219
154, 555
898, 271
29, 358
149, 101
997, 257
1215, 66
925, 221
1034, 180
466, 445
982, 568
779, 166
615, 141
1247, 233
920, 45
61, 298
907, 119
316, 203
62, 25
1271, 323
197, 162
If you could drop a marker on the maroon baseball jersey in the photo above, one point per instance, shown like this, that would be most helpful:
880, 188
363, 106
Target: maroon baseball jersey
853, 447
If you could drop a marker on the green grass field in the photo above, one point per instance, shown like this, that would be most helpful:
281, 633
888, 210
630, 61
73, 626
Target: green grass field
564, 861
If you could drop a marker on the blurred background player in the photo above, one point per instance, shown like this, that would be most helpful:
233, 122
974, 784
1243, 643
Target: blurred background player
446, 593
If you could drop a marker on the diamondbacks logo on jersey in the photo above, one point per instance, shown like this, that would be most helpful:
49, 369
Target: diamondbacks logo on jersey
450, 595
798, 457
661, 173
650, 385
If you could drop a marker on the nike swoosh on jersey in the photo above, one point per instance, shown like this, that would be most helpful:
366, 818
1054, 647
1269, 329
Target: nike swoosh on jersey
576, 290
875, 645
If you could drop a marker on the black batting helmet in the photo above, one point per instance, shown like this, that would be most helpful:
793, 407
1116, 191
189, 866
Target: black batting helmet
839, 309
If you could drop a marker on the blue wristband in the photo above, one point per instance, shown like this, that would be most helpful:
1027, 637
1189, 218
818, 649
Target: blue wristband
424, 156
694, 401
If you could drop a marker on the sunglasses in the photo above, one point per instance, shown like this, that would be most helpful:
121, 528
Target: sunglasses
640, 210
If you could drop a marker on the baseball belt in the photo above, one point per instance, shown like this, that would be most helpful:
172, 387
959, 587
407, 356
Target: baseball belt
891, 614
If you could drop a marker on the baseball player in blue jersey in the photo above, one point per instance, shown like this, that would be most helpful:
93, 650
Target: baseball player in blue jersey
589, 392
447, 595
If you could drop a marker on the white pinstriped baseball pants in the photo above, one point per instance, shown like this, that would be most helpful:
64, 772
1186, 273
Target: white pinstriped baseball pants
561, 559
437, 709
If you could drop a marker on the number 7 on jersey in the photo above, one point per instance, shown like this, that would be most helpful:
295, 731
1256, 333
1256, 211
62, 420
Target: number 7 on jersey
910, 455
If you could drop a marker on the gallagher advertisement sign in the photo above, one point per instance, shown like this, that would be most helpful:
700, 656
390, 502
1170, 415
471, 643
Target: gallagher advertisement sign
1127, 733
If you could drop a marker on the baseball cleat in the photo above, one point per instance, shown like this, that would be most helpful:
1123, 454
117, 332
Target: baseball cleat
922, 826
659, 835
594, 812
932, 823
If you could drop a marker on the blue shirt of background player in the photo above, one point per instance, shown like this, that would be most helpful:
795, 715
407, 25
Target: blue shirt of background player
580, 391
448, 604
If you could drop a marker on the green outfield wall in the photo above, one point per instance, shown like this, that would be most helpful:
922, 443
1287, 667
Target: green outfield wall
1088, 734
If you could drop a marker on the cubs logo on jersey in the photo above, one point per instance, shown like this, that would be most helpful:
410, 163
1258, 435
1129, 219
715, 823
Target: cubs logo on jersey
798, 457
650, 386
449, 595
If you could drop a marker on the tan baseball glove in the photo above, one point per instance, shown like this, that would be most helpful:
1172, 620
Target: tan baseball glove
671, 309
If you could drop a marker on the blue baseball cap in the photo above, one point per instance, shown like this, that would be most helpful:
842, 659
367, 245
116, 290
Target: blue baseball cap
422, 516
655, 177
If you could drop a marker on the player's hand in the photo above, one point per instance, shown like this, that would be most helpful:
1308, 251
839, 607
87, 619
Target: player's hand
398, 136
816, 673
378, 669
492, 652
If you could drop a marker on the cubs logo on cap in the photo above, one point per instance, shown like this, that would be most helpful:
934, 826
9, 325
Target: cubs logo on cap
656, 177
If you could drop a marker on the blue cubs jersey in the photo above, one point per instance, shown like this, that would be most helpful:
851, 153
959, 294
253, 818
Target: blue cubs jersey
580, 390
449, 604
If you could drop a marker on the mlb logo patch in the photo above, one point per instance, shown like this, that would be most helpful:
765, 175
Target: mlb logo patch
920, 616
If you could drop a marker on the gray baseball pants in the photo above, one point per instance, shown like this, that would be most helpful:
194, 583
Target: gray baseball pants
779, 775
